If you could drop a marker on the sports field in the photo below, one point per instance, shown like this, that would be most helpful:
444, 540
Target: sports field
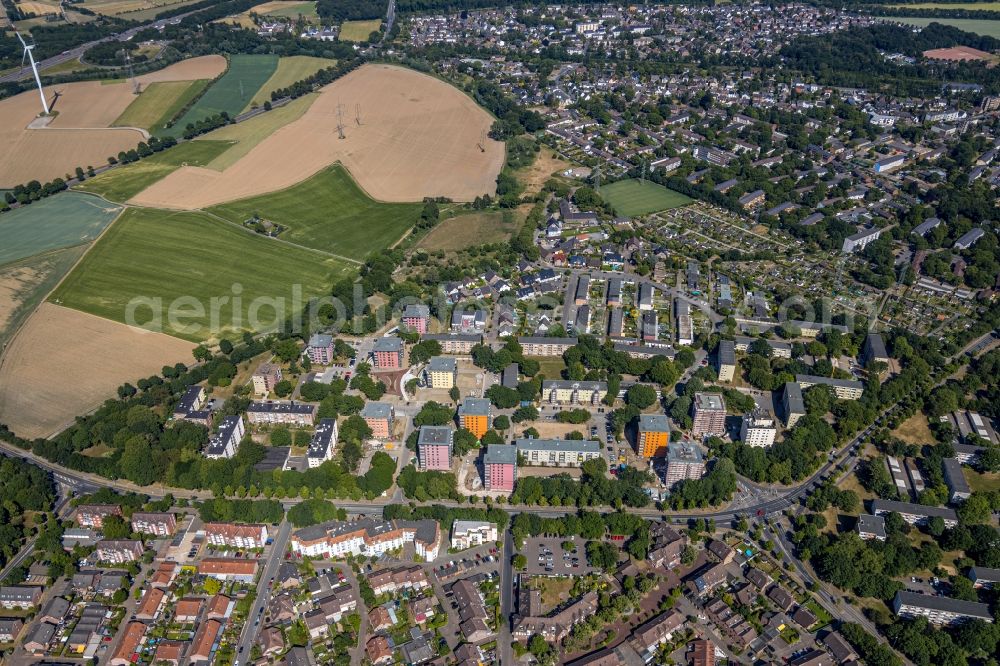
290, 69
59, 221
358, 31
631, 198
232, 92
158, 103
124, 182
179, 262
985, 27
329, 212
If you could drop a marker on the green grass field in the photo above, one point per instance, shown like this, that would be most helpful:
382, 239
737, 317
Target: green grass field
158, 103
980, 6
328, 212
358, 31
232, 92
249, 133
62, 220
985, 27
307, 10
123, 183
632, 197
156, 254
290, 70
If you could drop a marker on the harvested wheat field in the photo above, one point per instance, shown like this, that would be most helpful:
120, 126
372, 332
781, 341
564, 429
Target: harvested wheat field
64, 363
39, 8
418, 137
79, 134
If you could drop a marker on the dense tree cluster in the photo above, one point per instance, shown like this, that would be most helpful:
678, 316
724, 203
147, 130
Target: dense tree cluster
592, 489
23, 488
716, 487
241, 511
429, 485
313, 512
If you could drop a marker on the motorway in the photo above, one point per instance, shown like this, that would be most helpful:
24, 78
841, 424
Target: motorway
252, 625
75, 53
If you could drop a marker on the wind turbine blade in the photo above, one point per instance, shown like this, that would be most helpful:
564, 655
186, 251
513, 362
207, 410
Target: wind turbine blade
24, 57
21, 39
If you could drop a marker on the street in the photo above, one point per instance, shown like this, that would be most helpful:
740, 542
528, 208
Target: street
253, 626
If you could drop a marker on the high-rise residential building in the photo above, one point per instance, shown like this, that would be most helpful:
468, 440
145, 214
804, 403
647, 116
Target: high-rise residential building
709, 414
388, 353
416, 318
757, 428
653, 435
792, 404
442, 372
320, 349
434, 446
474, 416
500, 467
727, 360
378, 416
684, 461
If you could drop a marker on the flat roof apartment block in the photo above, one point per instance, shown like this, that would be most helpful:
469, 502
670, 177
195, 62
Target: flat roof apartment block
726, 360
378, 416
434, 446
568, 392
388, 352
320, 349
441, 372
844, 389
557, 452
227, 439
500, 467
474, 415
653, 435
322, 443
285, 412
684, 461
792, 404
709, 414
954, 477
939, 610
914, 514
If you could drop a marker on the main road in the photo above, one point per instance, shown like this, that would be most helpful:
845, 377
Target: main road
76, 52
251, 627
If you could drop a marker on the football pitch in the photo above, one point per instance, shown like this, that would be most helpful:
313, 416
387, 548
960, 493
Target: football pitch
631, 198
163, 262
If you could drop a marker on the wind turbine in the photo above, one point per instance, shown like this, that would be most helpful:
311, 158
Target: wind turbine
34, 69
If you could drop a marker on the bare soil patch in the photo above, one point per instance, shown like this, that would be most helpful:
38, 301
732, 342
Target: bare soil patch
417, 137
79, 135
545, 165
64, 363
12, 285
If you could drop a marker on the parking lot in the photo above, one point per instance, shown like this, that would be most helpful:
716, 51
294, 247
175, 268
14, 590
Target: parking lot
546, 557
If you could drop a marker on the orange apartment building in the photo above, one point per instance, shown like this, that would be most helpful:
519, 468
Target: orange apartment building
653, 435
474, 416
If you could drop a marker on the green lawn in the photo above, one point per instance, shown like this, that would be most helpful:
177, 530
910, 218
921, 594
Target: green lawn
633, 197
154, 258
328, 212
62, 220
232, 92
158, 103
307, 10
985, 27
124, 182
